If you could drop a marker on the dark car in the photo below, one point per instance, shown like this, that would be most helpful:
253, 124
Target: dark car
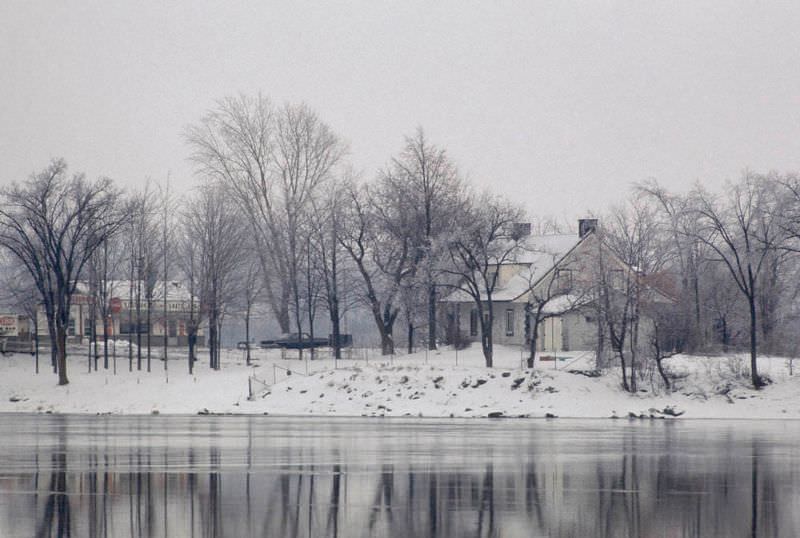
294, 341
269, 344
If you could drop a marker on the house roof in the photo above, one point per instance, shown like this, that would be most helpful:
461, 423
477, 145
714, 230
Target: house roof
538, 255
121, 289
541, 253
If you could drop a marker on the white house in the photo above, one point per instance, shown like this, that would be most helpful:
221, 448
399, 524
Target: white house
555, 272
541, 259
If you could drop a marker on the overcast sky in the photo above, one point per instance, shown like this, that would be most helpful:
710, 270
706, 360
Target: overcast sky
560, 106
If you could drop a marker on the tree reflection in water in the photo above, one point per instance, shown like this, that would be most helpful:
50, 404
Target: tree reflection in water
519, 479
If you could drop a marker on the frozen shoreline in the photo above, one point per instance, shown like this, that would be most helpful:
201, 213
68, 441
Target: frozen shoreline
419, 385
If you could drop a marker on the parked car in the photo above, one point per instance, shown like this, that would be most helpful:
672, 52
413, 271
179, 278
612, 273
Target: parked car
244, 345
345, 340
269, 344
294, 341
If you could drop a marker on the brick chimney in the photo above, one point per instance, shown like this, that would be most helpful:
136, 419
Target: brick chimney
521, 229
586, 226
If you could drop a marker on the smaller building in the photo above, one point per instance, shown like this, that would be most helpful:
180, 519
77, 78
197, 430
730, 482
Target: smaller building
132, 314
542, 259
551, 283
15, 334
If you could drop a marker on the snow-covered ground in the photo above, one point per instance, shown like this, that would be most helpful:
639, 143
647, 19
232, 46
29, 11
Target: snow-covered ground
434, 384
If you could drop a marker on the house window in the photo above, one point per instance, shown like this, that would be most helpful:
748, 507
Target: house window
509, 322
473, 322
71, 327
616, 279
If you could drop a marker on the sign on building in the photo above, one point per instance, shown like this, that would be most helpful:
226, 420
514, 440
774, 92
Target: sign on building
8, 325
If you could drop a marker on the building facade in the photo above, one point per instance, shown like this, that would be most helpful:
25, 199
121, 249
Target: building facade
132, 315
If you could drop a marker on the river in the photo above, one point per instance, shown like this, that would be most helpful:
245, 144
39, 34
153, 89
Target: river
235, 476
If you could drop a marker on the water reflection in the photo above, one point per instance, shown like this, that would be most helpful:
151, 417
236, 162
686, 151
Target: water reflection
233, 476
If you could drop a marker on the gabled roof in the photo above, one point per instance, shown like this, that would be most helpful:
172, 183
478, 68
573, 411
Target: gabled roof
537, 257
541, 253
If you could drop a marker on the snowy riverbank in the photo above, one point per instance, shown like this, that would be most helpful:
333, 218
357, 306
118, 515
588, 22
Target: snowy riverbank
439, 384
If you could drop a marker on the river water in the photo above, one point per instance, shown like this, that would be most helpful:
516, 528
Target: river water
233, 476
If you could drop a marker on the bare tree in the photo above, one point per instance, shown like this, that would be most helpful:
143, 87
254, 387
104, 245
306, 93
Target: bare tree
631, 247
190, 263
235, 143
168, 208
144, 249
689, 254
306, 152
103, 270
250, 290
213, 224
329, 263
744, 229
486, 238
52, 224
272, 162
377, 232
430, 182
725, 304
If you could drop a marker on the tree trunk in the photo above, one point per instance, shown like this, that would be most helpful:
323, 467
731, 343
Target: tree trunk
387, 342
149, 329
621, 355
432, 317
486, 338
212, 339
600, 358
337, 332
333, 299
661, 371
534, 336
36, 339
410, 338
487, 351
218, 351
385, 324
192, 340
139, 323
61, 353
51, 328
130, 322
247, 333
105, 341
94, 338
757, 383
634, 347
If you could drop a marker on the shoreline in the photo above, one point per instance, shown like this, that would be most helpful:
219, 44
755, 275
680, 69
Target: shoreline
411, 386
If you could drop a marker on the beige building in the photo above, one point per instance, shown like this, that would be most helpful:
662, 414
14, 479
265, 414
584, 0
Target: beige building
127, 316
548, 266
556, 272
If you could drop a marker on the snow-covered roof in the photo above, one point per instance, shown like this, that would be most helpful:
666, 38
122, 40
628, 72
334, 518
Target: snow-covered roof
542, 250
538, 255
121, 289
